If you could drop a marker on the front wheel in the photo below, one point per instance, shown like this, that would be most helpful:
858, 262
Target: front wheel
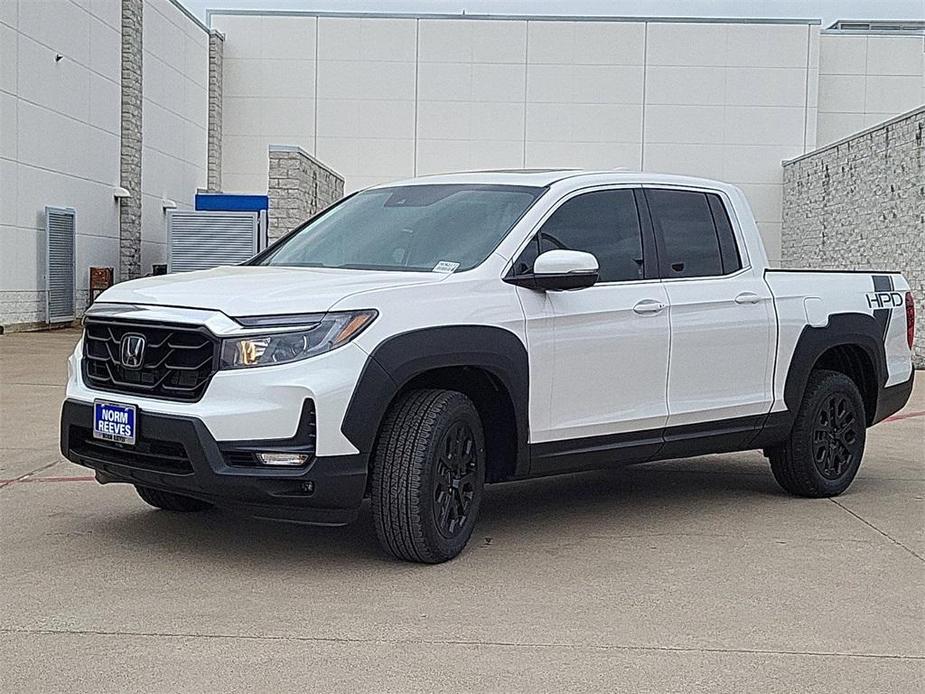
428, 471
823, 452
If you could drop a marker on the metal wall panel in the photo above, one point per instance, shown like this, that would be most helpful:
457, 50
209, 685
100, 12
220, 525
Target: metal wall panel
203, 240
59, 264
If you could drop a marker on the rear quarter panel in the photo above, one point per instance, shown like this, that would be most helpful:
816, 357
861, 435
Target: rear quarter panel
810, 298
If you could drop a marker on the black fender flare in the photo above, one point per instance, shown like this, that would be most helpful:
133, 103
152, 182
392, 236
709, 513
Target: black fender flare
402, 357
843, 329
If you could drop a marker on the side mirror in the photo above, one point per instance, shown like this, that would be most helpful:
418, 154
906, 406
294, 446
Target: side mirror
559, 271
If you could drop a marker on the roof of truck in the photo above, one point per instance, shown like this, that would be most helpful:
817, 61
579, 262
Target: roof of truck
545, 177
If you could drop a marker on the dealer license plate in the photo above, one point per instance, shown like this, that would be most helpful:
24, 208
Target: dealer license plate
113, 422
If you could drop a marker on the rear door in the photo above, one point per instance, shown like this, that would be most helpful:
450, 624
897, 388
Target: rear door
721, 317
599, 356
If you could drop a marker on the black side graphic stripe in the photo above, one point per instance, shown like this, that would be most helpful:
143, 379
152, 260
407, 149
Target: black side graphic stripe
883, 283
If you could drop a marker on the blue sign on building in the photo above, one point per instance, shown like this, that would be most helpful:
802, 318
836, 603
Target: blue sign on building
226, 202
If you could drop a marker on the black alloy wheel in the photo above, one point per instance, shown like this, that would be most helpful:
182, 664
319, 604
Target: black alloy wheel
835, 436
455, 479
823, 452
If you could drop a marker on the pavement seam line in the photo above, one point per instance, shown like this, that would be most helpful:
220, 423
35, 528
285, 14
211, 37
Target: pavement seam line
874, 527
455, 642
9, 483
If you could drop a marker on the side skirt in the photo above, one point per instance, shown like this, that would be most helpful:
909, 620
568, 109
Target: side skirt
619, 450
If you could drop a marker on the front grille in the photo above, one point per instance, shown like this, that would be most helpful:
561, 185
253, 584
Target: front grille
146, 454
240, 458
178, 361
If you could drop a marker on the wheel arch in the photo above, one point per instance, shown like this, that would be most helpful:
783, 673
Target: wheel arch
489, 364
852, 344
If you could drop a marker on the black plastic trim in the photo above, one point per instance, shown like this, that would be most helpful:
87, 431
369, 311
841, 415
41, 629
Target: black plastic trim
702, 438
398, 360
843, 329
618, 450
565, 281
649, 244
594, 452
338, 482
893, 398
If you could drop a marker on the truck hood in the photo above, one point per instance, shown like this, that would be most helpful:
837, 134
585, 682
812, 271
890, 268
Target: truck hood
259, 291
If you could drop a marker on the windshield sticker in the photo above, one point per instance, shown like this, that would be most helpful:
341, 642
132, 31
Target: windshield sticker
445, 266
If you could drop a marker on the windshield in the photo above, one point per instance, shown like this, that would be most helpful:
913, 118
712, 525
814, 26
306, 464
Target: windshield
412, 228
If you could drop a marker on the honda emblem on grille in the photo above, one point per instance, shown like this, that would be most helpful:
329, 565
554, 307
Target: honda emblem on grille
132, 351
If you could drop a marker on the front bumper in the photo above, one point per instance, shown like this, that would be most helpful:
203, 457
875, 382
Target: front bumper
260, 403
178, 454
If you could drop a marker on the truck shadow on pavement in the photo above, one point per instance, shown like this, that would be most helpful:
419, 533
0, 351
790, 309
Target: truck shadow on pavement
650, 500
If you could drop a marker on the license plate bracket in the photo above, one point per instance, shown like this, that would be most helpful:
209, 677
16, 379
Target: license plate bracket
115, 422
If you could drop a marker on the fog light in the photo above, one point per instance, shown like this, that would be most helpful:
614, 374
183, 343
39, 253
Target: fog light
283, 458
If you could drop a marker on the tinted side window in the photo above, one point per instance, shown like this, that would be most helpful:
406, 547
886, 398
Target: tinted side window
685, 223
727, 241
604, 223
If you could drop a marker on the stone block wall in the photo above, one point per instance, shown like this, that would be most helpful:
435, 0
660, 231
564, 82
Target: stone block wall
299, 186
216, 81
859, 204
131, 145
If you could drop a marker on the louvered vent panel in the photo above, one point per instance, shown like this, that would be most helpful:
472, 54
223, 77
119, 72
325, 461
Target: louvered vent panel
59, 269
202, 240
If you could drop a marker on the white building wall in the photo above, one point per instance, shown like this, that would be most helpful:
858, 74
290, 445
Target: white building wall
379, 99
471, 95
865, 79
175, 84
730, 101
385, 98
59, 141
365, 97
269, 94
585, 94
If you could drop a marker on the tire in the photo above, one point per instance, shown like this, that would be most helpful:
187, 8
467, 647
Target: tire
169, 501
428, 473
824, 450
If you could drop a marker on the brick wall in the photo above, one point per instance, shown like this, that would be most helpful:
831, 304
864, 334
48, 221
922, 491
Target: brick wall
299, 186
860, 204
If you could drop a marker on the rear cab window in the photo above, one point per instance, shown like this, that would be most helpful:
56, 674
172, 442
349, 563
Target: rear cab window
693, 233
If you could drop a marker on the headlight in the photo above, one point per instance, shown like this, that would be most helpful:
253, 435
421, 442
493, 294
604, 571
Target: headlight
329, 332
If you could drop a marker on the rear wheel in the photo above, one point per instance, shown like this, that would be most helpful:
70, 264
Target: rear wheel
428, 471
825, 447
170, 501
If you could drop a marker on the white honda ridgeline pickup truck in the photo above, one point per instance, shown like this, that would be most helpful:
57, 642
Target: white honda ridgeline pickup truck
418, 340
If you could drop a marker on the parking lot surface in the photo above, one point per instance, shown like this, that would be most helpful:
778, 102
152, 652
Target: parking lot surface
687, 575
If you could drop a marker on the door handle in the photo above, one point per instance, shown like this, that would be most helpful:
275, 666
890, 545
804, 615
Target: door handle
649, 306
747, 298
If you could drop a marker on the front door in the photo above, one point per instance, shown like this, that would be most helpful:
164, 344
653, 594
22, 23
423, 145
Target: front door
599, 356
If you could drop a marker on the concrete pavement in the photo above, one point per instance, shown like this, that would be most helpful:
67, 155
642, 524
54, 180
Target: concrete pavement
687, 575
